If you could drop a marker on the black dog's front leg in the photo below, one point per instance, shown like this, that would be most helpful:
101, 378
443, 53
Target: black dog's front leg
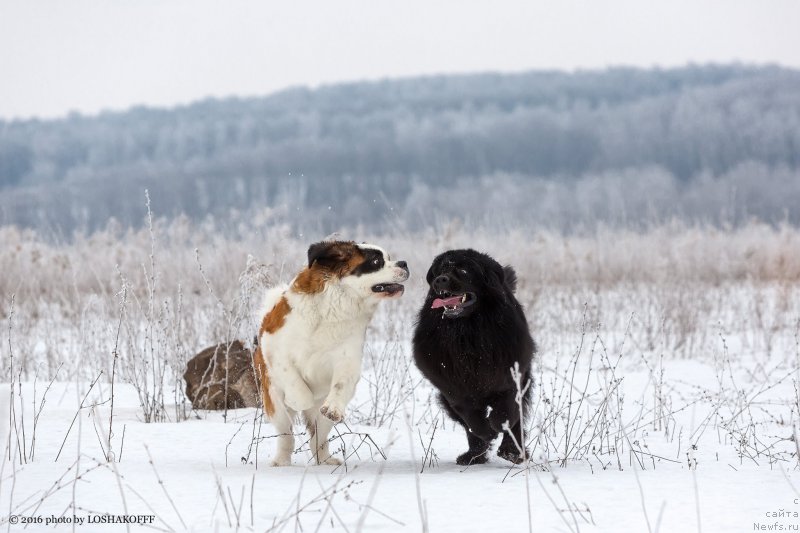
478, 444
506, 410
476, 454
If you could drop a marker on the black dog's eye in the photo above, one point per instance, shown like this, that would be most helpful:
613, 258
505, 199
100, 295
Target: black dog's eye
462, 271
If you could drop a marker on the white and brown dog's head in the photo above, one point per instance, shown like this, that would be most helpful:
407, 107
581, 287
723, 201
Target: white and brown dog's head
365, 268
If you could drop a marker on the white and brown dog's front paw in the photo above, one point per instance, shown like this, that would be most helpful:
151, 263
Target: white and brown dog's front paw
332, 412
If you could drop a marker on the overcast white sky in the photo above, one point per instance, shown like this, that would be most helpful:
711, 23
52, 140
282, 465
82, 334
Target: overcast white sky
89, 55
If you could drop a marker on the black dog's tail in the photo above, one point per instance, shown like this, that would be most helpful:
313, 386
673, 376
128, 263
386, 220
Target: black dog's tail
511, 277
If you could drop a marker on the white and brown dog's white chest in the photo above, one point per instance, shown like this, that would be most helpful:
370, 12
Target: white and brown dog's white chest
312, 336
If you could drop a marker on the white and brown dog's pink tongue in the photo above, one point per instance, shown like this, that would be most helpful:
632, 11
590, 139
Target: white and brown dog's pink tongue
452, 301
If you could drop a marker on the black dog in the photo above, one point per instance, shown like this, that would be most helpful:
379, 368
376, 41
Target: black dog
469, 334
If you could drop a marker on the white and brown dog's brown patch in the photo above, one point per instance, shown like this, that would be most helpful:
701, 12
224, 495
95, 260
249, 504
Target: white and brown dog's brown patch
272, 322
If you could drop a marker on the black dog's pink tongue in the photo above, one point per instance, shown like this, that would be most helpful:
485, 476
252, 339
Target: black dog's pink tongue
453, 300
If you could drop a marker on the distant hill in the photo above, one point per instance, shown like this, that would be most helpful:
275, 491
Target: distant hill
668, 142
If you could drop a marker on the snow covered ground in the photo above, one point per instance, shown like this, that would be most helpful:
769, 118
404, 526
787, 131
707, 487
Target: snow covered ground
666, 395
676, 445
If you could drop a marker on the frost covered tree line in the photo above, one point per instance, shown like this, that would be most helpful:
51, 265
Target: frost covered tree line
718, 144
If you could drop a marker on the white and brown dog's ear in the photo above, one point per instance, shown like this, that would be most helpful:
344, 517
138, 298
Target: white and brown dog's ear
329, 253
324, 252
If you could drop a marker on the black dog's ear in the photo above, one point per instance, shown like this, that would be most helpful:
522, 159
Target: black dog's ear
436, 265
429, 275
511, 278
325, 253
496, 279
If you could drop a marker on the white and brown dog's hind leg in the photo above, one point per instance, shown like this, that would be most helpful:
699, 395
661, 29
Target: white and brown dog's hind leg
272, 401
319, 428
282, 420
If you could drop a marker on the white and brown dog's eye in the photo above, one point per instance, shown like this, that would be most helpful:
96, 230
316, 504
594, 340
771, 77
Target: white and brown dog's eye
376, 262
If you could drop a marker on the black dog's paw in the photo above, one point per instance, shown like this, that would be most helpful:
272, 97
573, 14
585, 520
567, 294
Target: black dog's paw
472, 458
511, 455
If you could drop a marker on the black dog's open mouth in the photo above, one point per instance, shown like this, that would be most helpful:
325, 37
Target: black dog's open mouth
453, 303
389, 289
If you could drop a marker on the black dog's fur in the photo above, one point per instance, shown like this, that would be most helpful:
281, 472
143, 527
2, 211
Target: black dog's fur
469, 357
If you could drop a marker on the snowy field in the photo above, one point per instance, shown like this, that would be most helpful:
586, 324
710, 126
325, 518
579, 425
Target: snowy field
666, 398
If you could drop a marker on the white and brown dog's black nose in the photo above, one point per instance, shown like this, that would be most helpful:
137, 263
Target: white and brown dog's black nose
403, 266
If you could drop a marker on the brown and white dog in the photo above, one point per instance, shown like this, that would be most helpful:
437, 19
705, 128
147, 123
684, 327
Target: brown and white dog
312, 336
